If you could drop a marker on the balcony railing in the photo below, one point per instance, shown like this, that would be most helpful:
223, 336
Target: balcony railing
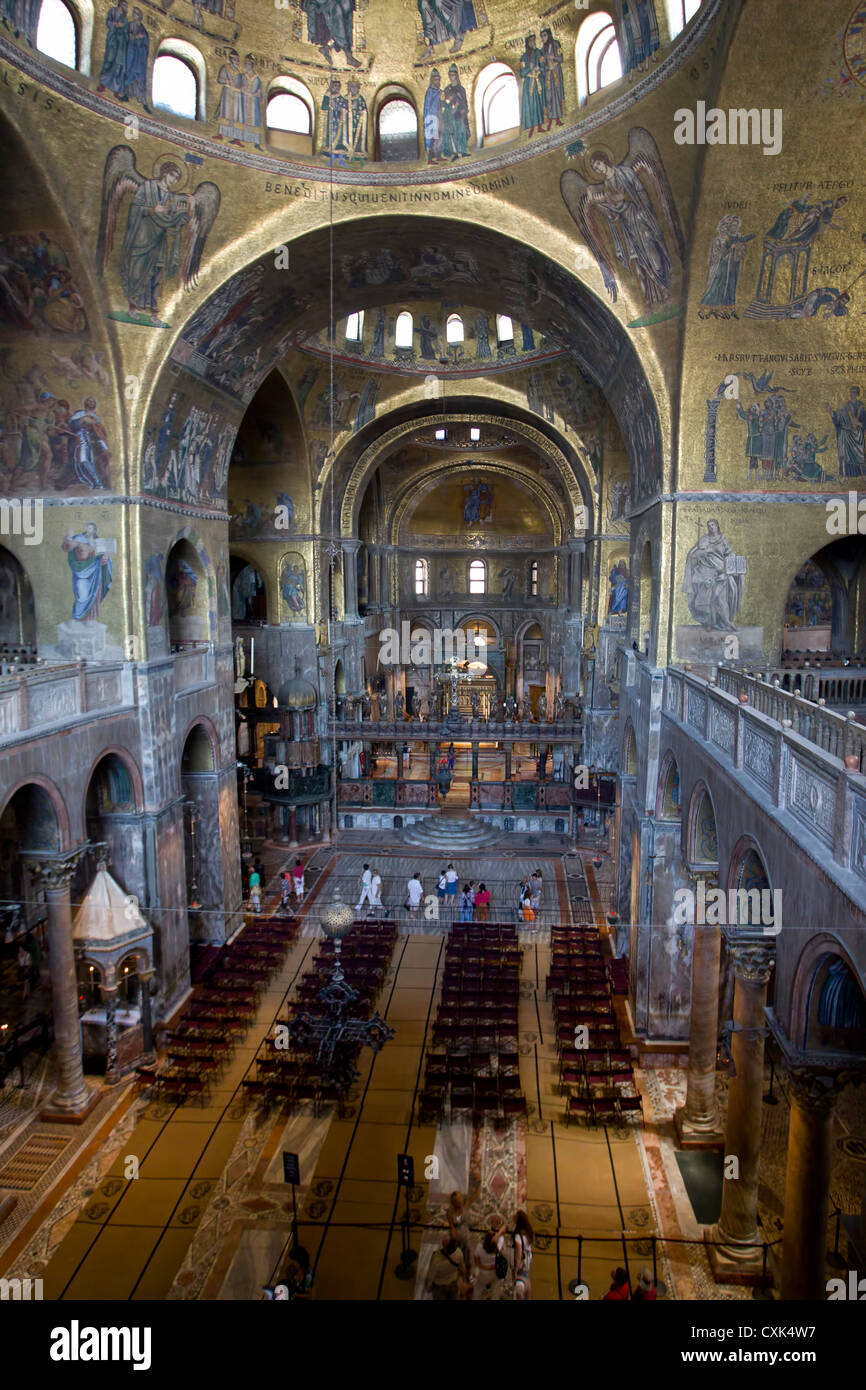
837, 734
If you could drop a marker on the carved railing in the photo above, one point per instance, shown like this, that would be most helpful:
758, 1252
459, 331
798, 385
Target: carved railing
43, 696
834, 683
837, 734
458, 730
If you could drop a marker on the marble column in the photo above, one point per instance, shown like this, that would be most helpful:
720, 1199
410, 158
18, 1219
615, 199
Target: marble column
350, 578
807, 1184
576, 550
110, 992
293, 828
72, 1098
698, 1123
508, 748
475, 762
399, 751
735, 1256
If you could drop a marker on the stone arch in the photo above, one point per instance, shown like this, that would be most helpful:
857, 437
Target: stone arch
206, 725
241, 559
701, 827
629, 750
192, 615
668, 789
124, 756
58, 805
823, 948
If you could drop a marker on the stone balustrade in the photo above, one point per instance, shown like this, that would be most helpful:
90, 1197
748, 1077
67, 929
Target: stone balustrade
459, 731
807, 760
837, 734
42, 696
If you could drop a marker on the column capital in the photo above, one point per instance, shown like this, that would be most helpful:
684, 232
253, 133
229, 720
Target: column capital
708, 874
351, 545
753, 961
54, 871
815, 1091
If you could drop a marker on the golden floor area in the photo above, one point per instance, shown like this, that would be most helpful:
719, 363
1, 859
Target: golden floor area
209, 1216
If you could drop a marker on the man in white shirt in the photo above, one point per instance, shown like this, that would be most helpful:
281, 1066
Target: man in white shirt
416, 893
376, 889
366, 881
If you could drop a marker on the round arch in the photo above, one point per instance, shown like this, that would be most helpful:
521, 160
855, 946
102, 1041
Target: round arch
378, 269
55, 797
208, 729
415, 491
124, 756
700, 826
668, 789
822, 948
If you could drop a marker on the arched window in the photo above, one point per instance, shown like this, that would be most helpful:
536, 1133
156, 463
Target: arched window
504, 329
175, 86
597, 54
404, 332
533, 579
454, 329
57, 33
497, 101
355, 327
477, 577
288, 111
421, 578
679, 14
397, 130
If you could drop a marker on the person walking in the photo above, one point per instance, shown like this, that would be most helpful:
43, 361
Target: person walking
527, 911
488, 1285
446, 1277
285, 890
458, 1226
441, 885
366, 880
522, 1241
255, 885
298, 878
415, 893
535, 885
619, 1289
467, 902
451, 757
482, 904
451, 885
646, 1289
375, 891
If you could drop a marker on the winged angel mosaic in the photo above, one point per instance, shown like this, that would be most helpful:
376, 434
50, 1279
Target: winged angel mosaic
619, 213
166, 229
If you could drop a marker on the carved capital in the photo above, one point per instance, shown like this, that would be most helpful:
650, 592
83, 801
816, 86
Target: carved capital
753, 961
54, 871
815, 1091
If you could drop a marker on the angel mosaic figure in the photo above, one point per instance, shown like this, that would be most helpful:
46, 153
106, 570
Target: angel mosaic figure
166, 230
618, 212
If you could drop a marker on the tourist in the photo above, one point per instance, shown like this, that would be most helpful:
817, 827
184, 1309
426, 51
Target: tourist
646, 1288
298, 876
451, 884
446, 1277
488, 1285
527, 910
255, 894
535, 884
451, 757
619, 1289
482, 904
522, 1241
375, 891
459, 1228
442, 884
467, 903
255, 880
366, 880
285, 890
415, 893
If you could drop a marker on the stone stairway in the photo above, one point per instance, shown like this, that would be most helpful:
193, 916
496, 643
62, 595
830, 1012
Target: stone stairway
451, 832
